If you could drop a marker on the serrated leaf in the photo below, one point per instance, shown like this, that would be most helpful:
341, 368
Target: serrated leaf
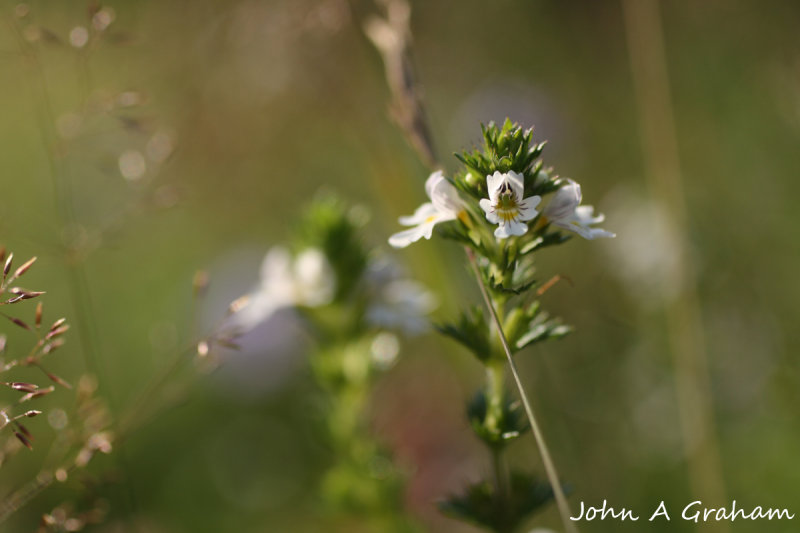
540, 329
480, 503
471, 331
548, 239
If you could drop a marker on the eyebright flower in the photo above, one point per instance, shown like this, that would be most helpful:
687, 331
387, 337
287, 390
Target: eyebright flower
445, 205
565, 211
505, 205
306, 281
396, 302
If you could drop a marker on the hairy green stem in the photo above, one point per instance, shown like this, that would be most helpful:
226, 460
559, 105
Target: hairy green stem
495, 390
503, 487
549, 465
495, 394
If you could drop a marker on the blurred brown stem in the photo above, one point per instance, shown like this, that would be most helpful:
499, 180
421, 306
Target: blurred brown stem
392, 38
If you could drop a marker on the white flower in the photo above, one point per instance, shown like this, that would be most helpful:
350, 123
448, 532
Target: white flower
308, 281
396, 302
565, 211
314, 282
445, 205
506, 206
402, 304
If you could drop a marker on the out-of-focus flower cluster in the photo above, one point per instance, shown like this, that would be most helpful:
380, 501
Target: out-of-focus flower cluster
331, 269
354, 302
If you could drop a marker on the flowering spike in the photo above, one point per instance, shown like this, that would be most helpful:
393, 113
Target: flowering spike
7, 266
22, 386
24, 268
24, 440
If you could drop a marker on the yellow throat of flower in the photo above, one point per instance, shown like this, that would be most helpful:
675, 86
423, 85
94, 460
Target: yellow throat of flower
507, 207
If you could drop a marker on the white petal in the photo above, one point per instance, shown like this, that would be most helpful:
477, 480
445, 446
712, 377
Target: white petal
276, 266
403, 304
527, 207
584, 215
404, 238
394, 300
491, 215
432, 181
314, 278
445, 198
565, 202
517, 182
310, 264
422, 214
259, 308
493, 182
502, 232
510, 228
583, 230
595, 233
517, 228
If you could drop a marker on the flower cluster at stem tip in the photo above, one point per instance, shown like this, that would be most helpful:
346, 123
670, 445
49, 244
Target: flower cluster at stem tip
511, 189
503, 206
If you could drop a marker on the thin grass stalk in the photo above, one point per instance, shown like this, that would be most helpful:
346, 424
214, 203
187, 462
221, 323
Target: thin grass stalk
683, 315
63, 204
77, 279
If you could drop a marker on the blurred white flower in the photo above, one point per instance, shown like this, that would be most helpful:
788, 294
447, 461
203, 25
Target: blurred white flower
384, 349
306, 280
445, 205
397, 302
402, 304
314, 279
505, 205
652, 274
565, 211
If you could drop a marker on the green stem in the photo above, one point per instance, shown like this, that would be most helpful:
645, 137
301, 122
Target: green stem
503, 486
495, 397
495, 390
549, 465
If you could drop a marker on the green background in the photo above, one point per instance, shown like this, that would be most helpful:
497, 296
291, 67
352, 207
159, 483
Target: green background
267, 103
